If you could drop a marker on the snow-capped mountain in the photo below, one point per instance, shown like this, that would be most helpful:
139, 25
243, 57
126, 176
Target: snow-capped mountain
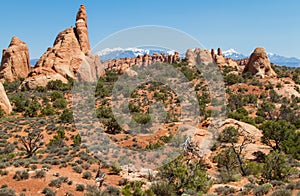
231, 53
114, 53
274, 58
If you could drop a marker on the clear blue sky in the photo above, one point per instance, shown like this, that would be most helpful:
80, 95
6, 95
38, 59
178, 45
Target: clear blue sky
239, 24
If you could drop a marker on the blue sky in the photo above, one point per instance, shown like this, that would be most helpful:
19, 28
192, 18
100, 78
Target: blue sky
239, 24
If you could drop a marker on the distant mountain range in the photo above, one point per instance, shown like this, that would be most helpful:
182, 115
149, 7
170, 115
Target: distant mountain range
114, 53
108, 54
274, 58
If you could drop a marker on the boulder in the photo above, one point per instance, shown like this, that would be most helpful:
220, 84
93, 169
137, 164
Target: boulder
15, 61
4, 102
259, 64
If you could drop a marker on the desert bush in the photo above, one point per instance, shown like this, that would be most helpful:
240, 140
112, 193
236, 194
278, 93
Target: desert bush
87, 175
21, 175
47, 110
77, 169
276, 167
162, 188
80, 187
225, 190
261, 190
115, 168
92, 190
85, 166
40, 174
1, 113
59, 85
56, 95
228, 135
7, 192
48, 192
60, 103
185, 176
282, 192
66, 116
32, 109
4, 172
142, 118
231, 79
55, 183
281, 136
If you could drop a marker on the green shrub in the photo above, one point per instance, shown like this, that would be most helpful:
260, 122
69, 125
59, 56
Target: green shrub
66, 116
261, 190
21, 175
55, 183
231, 79
80, 187
77, 169
60, 103
32, 109
48, 192
162, 188
225, 190
1, 113
40, 174
19, 101
59, 85
7, 192
276, 167
229, 134
282, 192
87, 175
185, 176
142, 118
115, 168
47, 110
56, 95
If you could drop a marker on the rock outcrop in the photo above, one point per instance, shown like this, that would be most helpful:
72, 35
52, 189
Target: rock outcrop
121, 65
4, 102
259, 64
70, 57
82, 30
15, 61
199, 56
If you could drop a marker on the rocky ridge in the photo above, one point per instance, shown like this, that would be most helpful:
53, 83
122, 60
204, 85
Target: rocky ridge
70, 57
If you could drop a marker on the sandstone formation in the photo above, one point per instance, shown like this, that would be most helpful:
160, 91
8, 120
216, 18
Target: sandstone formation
259, 64
199, 56
121, 65
15, 61
4, 102
70, 57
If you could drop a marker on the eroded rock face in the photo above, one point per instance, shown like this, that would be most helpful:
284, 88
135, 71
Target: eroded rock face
121, 65
69, 57
82, 30
198, 56
4, 102
259, 64
15, 61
